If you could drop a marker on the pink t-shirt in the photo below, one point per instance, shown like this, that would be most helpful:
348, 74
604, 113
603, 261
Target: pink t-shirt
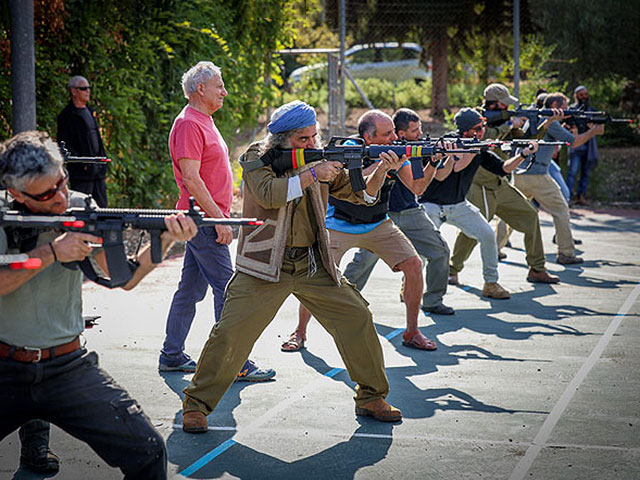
195, 136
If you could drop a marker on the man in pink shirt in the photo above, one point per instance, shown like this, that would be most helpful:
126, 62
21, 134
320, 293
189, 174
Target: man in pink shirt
201, 167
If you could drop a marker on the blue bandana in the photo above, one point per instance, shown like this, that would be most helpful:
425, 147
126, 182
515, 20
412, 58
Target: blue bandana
291, 116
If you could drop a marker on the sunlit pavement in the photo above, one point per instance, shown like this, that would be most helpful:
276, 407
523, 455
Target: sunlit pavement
542, 386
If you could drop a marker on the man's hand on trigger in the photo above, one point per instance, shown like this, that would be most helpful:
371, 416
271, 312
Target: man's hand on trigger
327, 171
74, 246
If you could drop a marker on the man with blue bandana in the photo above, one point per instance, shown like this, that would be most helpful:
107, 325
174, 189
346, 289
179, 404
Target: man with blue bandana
289, 254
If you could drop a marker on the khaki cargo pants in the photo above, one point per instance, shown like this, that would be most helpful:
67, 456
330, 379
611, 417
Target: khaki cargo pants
252, 303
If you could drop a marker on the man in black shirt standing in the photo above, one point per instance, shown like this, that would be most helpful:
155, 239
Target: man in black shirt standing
78, 129
444, 199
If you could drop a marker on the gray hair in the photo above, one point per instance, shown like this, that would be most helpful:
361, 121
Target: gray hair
281, 139
367, 122
27, 156
75, 81
201, 72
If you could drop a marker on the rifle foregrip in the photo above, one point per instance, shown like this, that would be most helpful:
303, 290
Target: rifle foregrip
156, 246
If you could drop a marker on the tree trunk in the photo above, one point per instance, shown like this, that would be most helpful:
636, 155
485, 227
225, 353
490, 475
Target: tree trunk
440, 62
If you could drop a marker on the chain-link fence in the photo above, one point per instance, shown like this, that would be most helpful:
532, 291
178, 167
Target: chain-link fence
432, 56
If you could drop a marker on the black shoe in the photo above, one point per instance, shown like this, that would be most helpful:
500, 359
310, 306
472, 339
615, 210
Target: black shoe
43, 460
441, 309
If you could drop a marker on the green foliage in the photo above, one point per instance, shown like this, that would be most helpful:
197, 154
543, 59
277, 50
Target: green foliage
593, 39
134, 54
464, 94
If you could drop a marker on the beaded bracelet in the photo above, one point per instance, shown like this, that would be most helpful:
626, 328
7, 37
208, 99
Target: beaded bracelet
313, 172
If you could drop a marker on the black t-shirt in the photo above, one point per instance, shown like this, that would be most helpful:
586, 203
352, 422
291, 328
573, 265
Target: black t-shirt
454, 188
92, 132
401, 198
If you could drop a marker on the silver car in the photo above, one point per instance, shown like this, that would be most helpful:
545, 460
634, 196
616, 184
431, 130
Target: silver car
391, 61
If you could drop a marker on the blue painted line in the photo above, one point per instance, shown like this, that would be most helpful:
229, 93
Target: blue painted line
466, 288
197, 465
333, 372
394, 334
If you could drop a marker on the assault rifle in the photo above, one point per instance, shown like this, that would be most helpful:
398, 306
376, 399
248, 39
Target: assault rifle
498, 117
20, 261
351, 151
68, 158
108, 223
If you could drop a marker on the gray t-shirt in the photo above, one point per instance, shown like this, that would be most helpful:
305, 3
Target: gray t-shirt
47, 310
555, 133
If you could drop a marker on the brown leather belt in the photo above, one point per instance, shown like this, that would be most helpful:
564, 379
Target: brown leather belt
35, 355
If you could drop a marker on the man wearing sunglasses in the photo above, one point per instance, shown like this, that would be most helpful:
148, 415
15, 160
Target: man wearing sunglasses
45, 371
444, 199
78, 129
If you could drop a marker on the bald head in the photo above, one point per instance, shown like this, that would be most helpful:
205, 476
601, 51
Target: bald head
376, 127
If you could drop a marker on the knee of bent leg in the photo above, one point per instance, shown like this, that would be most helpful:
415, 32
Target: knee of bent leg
411, 266
486, 234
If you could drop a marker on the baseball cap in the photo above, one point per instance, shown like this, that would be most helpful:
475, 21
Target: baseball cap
467, 118
496, 92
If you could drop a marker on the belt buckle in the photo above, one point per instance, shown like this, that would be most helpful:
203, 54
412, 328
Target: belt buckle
34, 349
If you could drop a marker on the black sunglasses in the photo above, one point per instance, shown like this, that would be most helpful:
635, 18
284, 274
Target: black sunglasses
49, 194
84, 89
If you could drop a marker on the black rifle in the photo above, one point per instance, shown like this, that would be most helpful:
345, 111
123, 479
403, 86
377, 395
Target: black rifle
20, 261
68, 158
498, 117
107, 223
351, 156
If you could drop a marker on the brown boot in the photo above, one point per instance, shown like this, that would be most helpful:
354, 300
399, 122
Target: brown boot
194, 422
380, 410
495, 290
541, 276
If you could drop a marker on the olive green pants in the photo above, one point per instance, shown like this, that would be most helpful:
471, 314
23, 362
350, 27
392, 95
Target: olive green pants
252, 303
509, 204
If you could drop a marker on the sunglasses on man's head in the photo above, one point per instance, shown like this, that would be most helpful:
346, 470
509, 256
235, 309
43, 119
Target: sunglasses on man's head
477, 128
49, 194
84, 89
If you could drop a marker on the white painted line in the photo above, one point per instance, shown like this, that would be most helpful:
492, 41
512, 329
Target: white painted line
523, 466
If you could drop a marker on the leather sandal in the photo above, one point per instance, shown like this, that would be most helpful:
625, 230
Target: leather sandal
294, 344
418, 340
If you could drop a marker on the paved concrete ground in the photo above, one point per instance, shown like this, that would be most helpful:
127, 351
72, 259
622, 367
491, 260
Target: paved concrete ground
542, 386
